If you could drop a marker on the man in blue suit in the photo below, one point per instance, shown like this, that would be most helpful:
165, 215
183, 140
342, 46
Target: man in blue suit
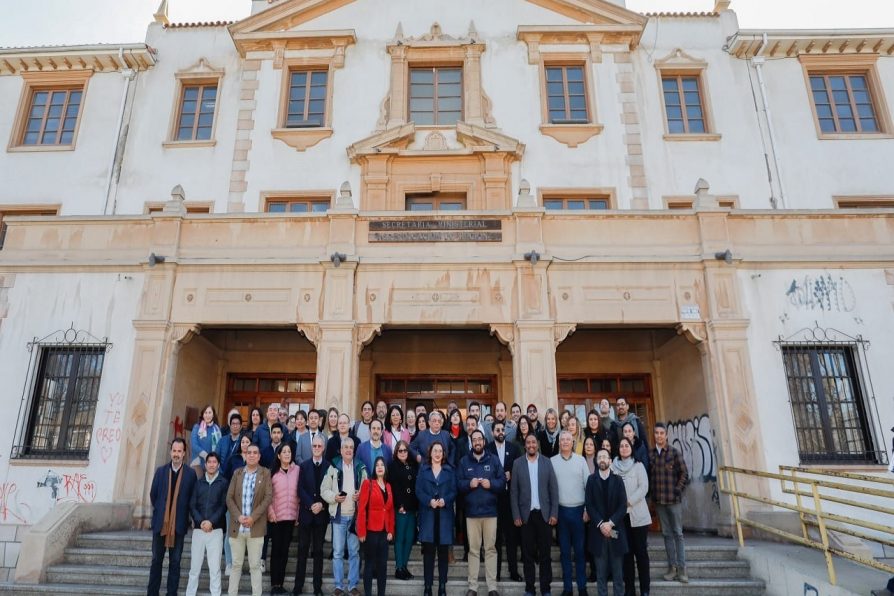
313, 516
171, 492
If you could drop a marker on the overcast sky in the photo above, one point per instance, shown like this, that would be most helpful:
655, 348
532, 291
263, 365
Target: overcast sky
50, 22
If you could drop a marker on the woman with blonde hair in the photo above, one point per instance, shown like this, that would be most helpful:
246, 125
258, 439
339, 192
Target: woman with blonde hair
573, 426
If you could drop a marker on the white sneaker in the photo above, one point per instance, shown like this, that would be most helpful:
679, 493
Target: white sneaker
228, 570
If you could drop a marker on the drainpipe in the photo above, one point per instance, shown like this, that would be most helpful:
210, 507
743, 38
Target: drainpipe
129, 75
758, 62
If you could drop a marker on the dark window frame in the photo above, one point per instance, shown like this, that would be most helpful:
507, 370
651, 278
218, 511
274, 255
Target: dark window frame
306, 118
61, 130
847, 75
201, 87
815, 431
550, 203
57, 414
678, 78
566, 94
437, 200
312, 205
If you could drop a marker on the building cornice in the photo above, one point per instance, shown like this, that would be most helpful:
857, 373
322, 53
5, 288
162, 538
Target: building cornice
791, 43
267, 41
98, 58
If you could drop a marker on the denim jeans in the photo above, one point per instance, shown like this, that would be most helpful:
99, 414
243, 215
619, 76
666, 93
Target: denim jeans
671, 518
571, 536
340, 536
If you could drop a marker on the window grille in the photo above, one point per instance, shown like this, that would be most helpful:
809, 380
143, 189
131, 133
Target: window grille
58, 404
832, 398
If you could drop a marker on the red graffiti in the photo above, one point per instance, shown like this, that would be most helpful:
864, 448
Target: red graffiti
78, 489
109, 435
10, 509
178, 426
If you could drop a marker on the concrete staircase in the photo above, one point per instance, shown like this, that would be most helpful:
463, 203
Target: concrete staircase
117, 563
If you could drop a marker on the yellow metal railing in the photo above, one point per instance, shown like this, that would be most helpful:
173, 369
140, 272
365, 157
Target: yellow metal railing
812, 502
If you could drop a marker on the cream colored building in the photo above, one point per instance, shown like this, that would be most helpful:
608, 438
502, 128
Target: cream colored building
574, 250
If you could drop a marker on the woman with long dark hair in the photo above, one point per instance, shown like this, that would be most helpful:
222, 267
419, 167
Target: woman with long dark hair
436, 491
395, 431
375, 525
204, 437
593, 427
640, 451
637, 520
523, 429
255, 421
331, 426
402, 475
282, 513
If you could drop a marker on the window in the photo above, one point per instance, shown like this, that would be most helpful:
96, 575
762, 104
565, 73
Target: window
687, 203
436, 201
195, 121
190, 208
864, 202
436, 96
52, 116
307, 98
831, 423
843, 103
683, 106
12, 212
298, 206
575, 203
63, 405
566, 94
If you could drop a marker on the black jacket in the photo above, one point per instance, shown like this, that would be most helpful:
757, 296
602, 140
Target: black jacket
512, 453
209, 501
615, 512
403, 484
309, 493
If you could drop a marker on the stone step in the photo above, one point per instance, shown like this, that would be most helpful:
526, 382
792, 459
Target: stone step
75, 558
141, 541
398, 588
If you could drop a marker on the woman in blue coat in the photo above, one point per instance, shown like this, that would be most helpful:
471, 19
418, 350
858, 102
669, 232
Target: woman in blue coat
436, 491
204, 438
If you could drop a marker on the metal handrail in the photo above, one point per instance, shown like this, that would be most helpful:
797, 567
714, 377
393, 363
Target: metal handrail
808, 504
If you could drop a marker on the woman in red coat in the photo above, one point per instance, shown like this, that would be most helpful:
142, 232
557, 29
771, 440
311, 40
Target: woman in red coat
375, 525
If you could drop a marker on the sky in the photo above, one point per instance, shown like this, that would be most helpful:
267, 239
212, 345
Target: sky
124, 21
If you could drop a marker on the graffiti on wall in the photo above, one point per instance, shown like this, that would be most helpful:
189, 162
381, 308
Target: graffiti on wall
12, 510
694, 439
68, 488
108, 435
822, 292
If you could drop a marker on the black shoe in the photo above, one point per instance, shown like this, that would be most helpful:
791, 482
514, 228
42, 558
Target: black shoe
399, 573
567, 593
514, 576
427, 591
442, 589
408, 574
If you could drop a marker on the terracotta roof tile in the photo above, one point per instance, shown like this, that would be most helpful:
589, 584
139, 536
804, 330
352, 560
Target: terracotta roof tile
199, 24
708, 14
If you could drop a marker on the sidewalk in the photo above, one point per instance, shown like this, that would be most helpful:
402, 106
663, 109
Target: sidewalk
793, 569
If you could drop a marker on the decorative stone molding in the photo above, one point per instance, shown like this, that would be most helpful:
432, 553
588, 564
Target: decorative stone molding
301, 138
367, 332
636, 167
505, 333
571, 135
311, 331
282, 42
88, 58
183, 333
562, 331
695, 333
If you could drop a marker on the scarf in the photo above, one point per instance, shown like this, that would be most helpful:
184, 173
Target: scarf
205, 428
169, 524
622, 467
552, 436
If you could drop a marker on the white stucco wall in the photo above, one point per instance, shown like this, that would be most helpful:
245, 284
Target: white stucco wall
103, 304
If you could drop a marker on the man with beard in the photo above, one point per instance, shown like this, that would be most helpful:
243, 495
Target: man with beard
606, 501
509, 426
534, 497
480, 479
506, 453
624, 415
171, 492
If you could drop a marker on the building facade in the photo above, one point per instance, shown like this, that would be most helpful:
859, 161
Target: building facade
531, 201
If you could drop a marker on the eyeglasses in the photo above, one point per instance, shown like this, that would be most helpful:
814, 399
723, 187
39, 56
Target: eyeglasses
401, 450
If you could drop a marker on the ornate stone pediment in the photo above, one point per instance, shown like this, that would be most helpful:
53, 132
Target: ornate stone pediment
471, 139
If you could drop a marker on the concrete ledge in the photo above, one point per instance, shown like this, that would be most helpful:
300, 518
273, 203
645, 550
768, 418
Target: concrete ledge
46, 541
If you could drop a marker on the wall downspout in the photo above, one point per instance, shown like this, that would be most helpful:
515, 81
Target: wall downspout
129, 75
758, 62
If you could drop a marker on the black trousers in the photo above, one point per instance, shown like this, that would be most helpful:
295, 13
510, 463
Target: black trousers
638, 550
507, 537
310, 537
376, 556
158, 557
537, 538
429, 549
280, 539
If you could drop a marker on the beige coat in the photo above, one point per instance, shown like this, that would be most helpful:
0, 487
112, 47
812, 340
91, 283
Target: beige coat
636, 483
263, 497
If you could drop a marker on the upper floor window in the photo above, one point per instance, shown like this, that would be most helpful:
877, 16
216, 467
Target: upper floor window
566, 94
436, 201
683, 105
191, 208
195, 121
436, 95
53, 116
303, 205
307, 98
864, 202
555, 203
843, 102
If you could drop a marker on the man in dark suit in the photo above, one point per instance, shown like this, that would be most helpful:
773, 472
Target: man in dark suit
171, 492
507, 534
606, 502
534, 497
313, 515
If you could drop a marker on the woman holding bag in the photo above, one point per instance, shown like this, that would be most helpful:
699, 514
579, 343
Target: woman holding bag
375, 525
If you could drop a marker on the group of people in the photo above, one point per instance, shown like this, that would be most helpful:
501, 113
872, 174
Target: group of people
494, 485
